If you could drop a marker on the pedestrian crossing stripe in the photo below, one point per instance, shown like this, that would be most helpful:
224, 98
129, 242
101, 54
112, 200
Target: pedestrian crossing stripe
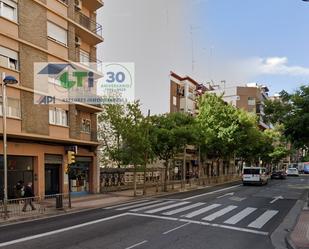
263, 219
192, 210
151, 206
219, 213
179, 210
125, 204
240, 216
202, 210
166, 207
137, 205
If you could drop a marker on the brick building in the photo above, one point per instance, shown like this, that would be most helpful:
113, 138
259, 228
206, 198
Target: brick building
250, 98
34, 31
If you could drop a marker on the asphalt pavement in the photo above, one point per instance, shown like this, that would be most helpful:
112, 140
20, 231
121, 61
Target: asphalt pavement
225, 217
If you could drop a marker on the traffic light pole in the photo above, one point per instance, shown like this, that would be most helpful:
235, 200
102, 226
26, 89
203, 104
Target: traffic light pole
70, 187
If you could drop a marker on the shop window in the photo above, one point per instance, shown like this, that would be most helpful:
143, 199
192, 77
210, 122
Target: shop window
58, 116
8, 58
8, 9
13, 108
86, 125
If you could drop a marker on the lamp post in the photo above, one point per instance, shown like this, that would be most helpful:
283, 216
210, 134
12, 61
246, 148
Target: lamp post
6, 80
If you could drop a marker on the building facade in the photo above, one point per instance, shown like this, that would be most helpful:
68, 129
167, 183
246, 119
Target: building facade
250, 98
39, 135
184, 92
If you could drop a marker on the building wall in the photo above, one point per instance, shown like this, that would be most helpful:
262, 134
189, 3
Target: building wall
31, 134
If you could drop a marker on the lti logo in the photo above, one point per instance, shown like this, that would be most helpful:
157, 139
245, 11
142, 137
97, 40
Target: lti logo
68, 75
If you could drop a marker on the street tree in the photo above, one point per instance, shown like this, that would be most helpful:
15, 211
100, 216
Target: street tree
292, 110
218, 125
170, 133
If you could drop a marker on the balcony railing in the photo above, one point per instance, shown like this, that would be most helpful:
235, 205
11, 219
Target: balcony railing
91, 62
88, 23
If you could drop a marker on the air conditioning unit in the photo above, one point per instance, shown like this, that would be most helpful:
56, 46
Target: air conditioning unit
78, 41
78, 4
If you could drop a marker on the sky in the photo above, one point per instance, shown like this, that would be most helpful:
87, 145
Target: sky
238, 41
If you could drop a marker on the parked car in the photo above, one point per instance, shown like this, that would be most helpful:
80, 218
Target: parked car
278, 174
292, 172
306, 169
254, 175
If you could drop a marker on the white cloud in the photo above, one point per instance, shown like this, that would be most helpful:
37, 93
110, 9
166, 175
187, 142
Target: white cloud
278, 66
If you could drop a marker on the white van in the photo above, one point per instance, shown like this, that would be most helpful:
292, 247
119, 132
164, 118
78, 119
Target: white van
254, 175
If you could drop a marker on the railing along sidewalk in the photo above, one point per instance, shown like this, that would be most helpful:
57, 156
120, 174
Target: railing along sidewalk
32, 206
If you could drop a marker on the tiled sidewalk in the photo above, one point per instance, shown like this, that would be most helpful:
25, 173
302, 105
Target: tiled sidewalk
300, 234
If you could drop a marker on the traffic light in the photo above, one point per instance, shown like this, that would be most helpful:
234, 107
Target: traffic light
71, 157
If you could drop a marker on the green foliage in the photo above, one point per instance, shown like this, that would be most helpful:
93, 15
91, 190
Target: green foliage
170, 133
123, 132
217, 124
292, 110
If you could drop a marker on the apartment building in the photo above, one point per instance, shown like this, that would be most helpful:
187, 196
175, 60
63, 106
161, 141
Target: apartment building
183, 98
250, 98
183, 93
39, 135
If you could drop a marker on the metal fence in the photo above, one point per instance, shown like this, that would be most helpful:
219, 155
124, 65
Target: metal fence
158, 186
32, 206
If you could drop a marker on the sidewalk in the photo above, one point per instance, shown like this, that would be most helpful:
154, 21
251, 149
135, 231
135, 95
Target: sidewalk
299, 238
94, 201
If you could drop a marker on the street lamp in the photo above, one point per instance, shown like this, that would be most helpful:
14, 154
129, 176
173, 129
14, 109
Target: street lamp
6, 80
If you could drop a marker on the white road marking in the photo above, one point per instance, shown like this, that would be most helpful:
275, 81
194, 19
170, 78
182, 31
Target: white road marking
263, 219
200, 223
219, 213
240, 216
166, 207
202, 210
228, 194
179, 210
41, 235
137, 244
125, 204
137, 205
210, 193
176, 228
276, 198
151, 206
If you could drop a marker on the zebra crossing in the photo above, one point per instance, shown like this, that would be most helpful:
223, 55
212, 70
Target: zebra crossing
228, 215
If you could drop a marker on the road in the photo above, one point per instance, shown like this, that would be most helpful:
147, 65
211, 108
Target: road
229, 217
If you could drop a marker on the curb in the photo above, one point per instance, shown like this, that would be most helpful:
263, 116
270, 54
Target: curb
80, 210
289, 242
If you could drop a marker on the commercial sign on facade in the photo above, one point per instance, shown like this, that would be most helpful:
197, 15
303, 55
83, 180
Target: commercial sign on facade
66, 83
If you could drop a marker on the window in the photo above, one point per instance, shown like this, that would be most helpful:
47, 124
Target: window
8, 9
86, 125
13, 108
251, 101
57, 33
58, 116
8, 58
174, 100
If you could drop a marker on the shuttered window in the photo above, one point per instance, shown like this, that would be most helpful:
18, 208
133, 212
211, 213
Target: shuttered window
57, 33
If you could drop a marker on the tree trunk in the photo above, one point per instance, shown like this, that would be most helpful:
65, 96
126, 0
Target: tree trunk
134, 181
144, 186
165, 176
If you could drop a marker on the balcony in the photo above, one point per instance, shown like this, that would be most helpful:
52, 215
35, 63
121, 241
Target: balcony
88, 23
93, 5
91, 62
